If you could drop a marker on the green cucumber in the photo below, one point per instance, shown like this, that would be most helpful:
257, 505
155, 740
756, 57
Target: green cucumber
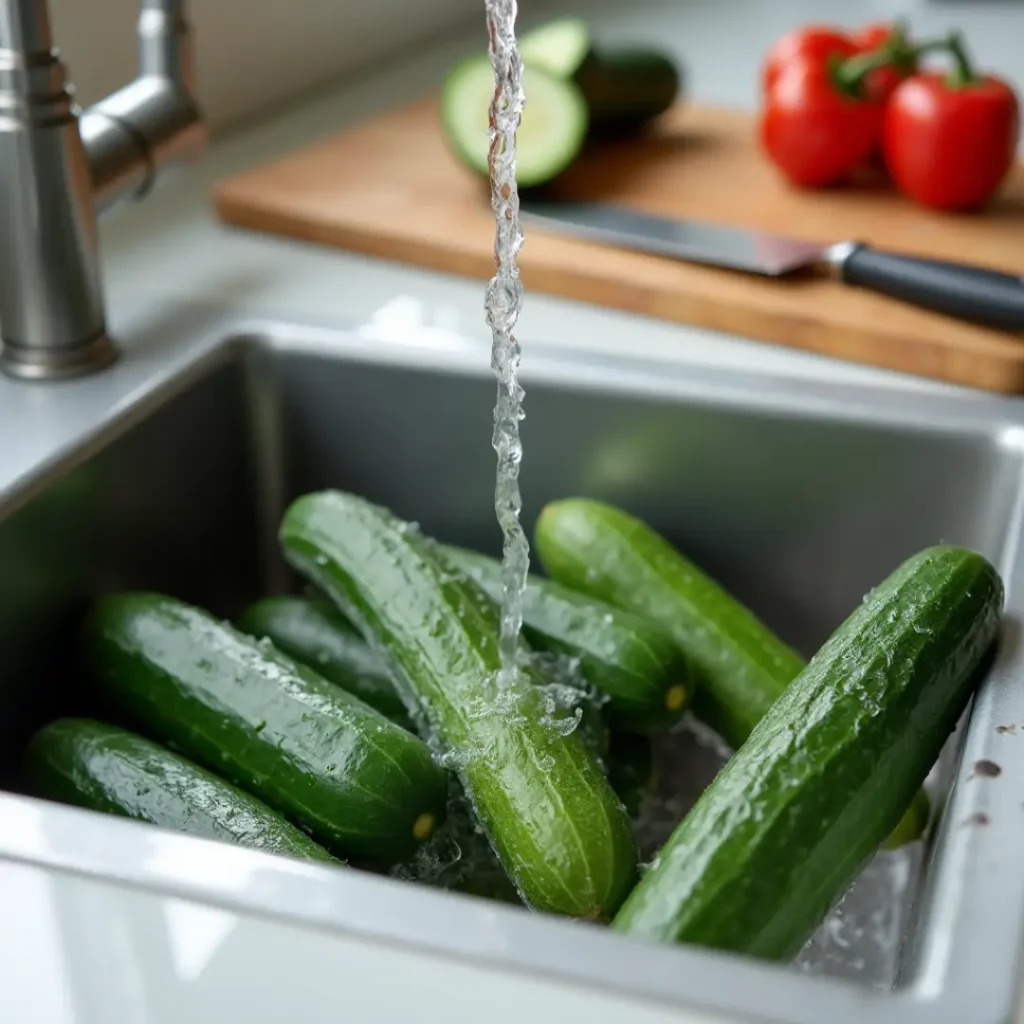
742, 667
315, 633
624, 88
557, 827
106, 768
551, 134
789, 821
328, 762
636, 663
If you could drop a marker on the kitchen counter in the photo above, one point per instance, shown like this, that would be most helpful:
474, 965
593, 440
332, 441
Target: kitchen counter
170, 250
85, 951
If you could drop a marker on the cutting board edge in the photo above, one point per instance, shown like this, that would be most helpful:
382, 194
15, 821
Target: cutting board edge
790, 332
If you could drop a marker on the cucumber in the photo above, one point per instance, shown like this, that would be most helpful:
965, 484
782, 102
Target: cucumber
328, 762
741, 666
560, 46
624, 88
636, 663
786, 825
106, 768
554, 822
551, 134
316, 634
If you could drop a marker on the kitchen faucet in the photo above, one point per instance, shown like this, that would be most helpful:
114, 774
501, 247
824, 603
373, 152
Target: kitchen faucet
60, 167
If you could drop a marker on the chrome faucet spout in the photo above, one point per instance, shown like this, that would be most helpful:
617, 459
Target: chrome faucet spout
62, 168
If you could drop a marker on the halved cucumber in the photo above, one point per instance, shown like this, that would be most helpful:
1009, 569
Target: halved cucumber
558, 47
550, 136
624, 87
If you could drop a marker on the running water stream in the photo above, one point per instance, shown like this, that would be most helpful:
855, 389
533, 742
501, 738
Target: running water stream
861, 937
503, 304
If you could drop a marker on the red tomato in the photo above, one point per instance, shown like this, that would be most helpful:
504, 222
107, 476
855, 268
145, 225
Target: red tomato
816, 42
813, 131
950, 146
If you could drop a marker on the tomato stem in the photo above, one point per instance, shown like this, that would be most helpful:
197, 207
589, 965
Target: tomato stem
897, 52
962, 73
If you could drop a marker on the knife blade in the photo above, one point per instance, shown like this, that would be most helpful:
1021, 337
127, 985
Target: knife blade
975, 294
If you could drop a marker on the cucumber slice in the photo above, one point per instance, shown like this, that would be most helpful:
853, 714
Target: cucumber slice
558, 47
550, 137
786, 825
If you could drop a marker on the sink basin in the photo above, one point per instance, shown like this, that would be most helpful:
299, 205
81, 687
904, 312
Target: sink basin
798, 500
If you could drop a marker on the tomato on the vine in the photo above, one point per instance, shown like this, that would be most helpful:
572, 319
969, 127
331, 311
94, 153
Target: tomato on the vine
812, 128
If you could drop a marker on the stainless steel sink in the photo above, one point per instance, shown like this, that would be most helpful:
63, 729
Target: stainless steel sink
797, 499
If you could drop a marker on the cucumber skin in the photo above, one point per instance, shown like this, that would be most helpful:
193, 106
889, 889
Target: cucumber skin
106, 768
742, 668
314, 633
623, 655
329, 763
823, 779
625, 89
560, 832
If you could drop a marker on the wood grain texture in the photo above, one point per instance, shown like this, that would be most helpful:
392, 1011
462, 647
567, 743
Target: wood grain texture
389, 188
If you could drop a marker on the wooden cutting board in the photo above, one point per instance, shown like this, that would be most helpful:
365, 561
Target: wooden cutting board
390, 188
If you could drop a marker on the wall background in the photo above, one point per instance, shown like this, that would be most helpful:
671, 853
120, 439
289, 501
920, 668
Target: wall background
252, 53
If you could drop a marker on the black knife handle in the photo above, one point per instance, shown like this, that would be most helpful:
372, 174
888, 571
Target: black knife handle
976, 294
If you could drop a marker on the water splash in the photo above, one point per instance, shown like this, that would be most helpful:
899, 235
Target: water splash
503, 305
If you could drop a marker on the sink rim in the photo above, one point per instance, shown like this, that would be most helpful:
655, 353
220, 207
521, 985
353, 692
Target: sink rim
68, 839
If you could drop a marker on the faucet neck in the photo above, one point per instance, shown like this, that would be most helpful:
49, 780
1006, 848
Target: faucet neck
61, 170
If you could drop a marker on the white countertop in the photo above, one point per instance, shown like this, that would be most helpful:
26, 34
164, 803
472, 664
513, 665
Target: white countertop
161, 959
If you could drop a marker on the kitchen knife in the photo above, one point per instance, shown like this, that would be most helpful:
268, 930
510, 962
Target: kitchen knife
971, 293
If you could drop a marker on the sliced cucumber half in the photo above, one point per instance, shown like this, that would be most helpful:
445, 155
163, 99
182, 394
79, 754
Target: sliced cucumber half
551, 134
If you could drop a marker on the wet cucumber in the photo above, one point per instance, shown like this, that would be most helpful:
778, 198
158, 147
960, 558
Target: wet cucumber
356, 782
636, 663
742, 667
624, 88
106, 768
315, 633
776, 838
557, 827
